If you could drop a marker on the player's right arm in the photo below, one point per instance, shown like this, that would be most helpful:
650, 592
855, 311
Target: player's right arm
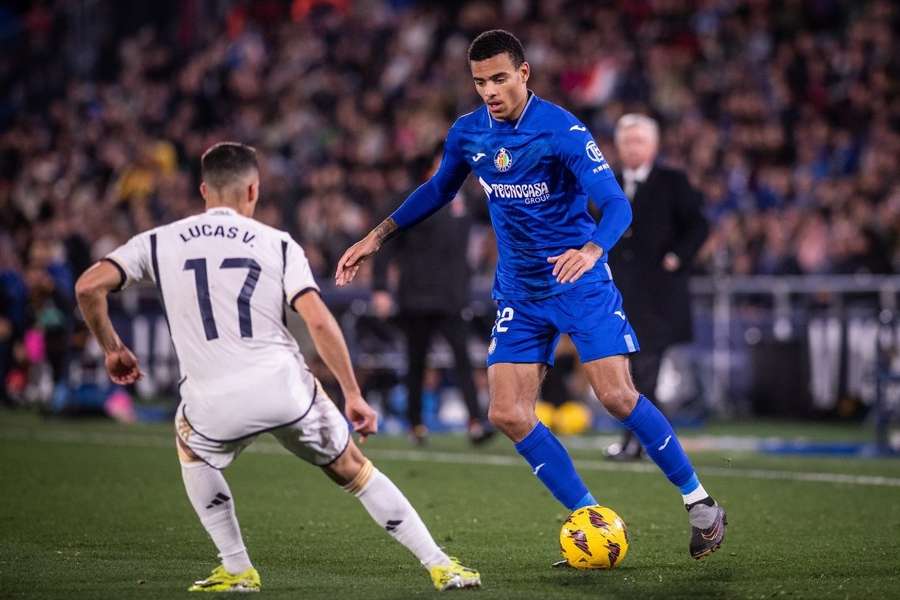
126, 264
331, 346
428, 198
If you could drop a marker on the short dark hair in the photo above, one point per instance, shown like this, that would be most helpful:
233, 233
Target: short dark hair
494, 42
225, 162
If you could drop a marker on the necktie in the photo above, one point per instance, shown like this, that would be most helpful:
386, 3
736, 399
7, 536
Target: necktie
630, 187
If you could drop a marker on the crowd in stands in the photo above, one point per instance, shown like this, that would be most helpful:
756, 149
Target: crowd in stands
786, 115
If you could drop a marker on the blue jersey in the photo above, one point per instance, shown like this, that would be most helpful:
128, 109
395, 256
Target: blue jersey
537, 173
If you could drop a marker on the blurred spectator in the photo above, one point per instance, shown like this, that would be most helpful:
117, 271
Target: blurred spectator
784, 114
653, 260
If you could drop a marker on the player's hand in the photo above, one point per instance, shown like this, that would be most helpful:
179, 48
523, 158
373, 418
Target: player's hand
354, 257
569, 266
363, 418
122, 366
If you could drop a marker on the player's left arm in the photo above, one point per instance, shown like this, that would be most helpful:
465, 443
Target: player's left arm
91, 291
577, 150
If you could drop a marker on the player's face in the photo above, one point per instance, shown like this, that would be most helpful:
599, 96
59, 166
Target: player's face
501, 85
637, 147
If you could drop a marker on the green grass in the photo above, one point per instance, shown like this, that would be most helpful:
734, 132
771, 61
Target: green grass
92, 509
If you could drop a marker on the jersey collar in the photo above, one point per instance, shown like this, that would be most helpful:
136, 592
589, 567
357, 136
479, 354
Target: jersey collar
221, 210
495, 124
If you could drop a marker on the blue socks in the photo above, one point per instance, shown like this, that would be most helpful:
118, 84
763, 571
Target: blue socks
553, 466
655, 432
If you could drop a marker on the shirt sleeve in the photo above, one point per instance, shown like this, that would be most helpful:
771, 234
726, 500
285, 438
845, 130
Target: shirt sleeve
132, 259
578, 151
298, 277
437, 191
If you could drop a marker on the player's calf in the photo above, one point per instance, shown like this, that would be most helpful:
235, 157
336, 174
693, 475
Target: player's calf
514, 388
612, 383
662, 445
211, 498
391, 510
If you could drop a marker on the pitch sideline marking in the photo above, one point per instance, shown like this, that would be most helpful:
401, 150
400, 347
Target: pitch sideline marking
459, 458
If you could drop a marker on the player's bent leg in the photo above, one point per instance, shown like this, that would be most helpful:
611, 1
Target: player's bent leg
391, 510
514, 388
211, 498
612, 384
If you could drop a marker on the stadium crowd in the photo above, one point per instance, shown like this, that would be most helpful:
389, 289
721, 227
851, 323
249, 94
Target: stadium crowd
786, 115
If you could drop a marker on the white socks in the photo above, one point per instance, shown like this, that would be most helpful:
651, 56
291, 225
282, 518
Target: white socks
391, 510
211, 498
696, 496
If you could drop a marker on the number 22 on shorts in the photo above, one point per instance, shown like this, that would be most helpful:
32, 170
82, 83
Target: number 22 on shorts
504, 316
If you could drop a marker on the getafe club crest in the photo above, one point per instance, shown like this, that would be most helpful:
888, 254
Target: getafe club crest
502, 160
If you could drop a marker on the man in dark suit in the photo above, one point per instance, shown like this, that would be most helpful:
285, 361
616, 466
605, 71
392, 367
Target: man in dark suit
651, 263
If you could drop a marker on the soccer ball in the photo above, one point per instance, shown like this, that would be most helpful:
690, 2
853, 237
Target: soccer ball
594, 537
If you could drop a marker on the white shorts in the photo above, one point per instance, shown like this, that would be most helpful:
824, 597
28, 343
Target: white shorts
319, 436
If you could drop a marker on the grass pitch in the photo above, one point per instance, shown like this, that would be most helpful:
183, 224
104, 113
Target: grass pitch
92, 509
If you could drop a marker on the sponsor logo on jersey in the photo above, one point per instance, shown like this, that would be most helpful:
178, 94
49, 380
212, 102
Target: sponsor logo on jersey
478, 156
593, 153
502, 160
577, 128
531, 193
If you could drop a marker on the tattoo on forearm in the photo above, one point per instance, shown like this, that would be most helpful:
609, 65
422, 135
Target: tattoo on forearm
385, 230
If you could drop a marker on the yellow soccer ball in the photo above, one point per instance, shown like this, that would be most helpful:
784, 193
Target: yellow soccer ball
594, 537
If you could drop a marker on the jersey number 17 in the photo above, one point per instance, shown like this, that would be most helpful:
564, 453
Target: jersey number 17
201, 279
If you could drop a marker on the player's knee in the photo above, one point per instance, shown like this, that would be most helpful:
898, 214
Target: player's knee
509, 419
499, 417
347, 466
619, 401
186, 456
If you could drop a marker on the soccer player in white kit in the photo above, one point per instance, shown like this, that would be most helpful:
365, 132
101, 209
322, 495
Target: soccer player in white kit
224, 280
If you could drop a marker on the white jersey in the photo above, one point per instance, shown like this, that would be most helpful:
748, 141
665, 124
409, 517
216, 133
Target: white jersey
224, 282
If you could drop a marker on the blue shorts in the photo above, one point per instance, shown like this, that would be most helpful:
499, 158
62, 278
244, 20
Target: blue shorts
527, 331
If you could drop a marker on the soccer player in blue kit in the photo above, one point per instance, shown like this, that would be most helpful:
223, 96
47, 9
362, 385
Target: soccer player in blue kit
538, 165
